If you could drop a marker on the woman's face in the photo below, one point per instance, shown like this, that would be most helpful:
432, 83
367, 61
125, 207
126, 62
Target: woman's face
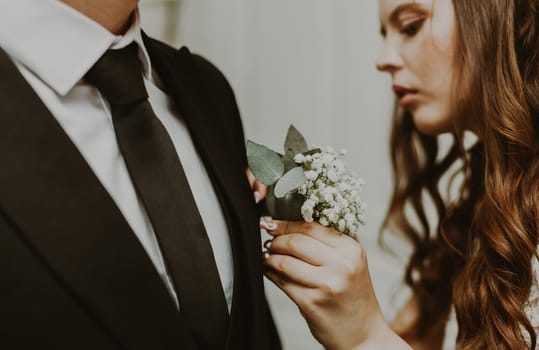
418, 51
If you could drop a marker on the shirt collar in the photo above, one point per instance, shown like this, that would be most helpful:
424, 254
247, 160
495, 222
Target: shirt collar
59, 44
134, 34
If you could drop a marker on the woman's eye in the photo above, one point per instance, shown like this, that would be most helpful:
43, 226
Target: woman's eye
412, 28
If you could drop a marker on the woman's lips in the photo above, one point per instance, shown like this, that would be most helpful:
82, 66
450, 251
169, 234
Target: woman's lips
407, 100
407, 96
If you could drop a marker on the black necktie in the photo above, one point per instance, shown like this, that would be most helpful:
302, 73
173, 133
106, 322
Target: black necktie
160, 182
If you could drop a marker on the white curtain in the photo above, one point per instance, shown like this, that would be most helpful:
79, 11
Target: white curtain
310, 63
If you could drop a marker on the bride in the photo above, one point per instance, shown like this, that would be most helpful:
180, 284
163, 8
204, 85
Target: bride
456, 65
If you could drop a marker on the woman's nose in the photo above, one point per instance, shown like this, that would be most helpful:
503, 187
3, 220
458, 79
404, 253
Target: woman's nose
389, 60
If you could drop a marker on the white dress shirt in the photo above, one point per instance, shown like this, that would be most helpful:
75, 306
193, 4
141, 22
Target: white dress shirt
54, 46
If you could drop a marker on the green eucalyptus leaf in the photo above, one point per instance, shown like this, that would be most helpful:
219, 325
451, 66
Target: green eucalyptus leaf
295, 142
265, 164
289, 182
288, 161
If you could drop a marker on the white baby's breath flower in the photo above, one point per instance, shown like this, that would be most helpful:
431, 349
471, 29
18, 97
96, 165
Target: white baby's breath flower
341, 225
324, 221
316, 164
332, 175
307, 211
299, 158
311, 175
331, 192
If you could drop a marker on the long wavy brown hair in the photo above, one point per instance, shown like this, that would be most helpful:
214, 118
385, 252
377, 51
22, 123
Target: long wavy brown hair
479, 255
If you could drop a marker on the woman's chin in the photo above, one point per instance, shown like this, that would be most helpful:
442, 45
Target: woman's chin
431, 124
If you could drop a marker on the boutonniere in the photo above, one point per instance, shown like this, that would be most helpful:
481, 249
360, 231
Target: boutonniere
310, 184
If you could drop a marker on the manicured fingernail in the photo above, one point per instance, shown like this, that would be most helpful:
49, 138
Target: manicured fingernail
265, 255
257, 196
267, 244
268, 225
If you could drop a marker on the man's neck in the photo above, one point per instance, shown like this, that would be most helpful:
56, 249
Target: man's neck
114, 15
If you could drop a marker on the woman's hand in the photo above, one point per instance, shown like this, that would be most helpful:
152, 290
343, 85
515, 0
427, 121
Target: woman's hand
326, 274
259, 189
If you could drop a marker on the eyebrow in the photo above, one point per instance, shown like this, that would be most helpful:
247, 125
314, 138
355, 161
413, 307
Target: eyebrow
395, 14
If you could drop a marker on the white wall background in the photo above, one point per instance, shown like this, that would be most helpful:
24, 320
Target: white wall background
310, 63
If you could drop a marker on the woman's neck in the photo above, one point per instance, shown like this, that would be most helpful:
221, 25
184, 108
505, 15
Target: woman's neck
114, 15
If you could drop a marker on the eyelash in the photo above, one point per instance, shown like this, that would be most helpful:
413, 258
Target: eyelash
412, 28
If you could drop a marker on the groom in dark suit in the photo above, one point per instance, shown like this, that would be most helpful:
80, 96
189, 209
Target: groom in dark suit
126, 218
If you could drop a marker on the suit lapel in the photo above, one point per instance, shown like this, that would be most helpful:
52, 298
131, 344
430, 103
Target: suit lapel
204, 120
67, 217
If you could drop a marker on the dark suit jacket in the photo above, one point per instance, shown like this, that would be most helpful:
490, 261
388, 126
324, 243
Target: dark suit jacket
72, 273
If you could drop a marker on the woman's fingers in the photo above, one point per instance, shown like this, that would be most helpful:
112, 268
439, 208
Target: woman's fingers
315, 244
259, 189
298, 293
320, 233
294, 269
302, 247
